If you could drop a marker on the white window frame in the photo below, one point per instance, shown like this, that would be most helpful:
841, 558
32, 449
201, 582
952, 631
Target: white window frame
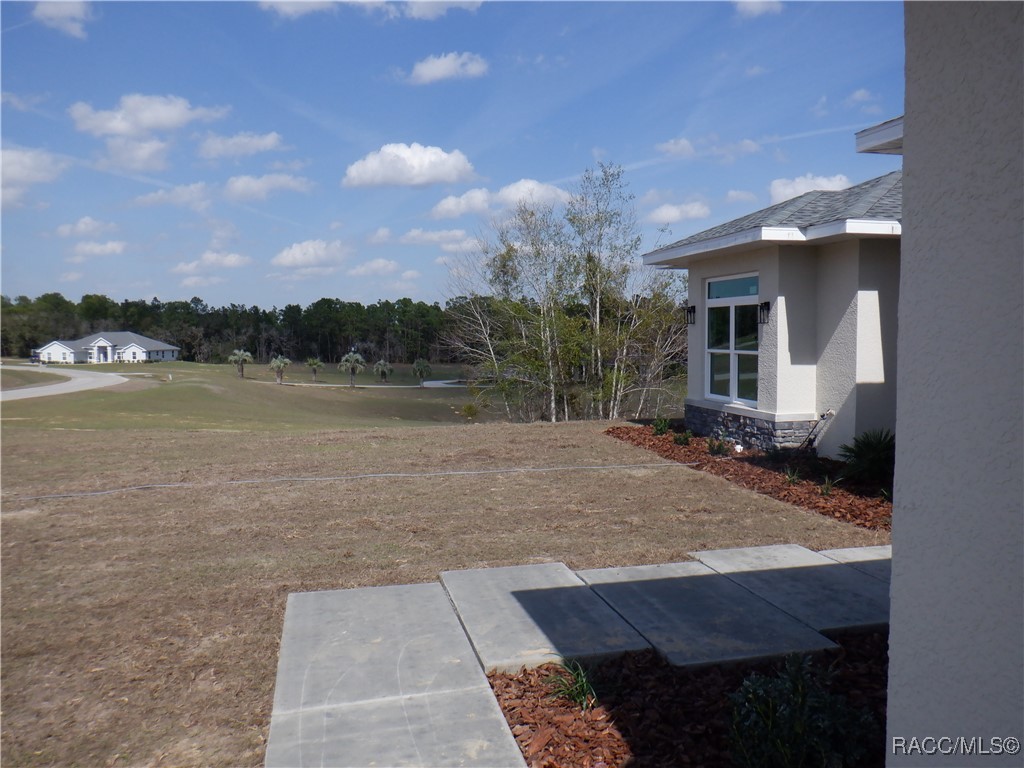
731, 302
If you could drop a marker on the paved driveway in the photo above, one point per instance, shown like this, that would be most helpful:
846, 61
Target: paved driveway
77, 381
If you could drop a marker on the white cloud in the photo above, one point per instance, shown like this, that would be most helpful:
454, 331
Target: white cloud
669, 213
212, 260
450, 240
820, 108
201, 281
740, 196
408, 165
136, 155
258, 188
311, 253
427, 10
729, 152
25, 167
22, 104
293, 10
194, 196
530, 190
708, 146
239, 145
749, 9
453, 206
139, 115
68, 17
382, 235
92, 248
71, 277
481, 200
864, 100
677, 147
755, 71
448, 66
784, 189
374, 267
411, 274
86, 226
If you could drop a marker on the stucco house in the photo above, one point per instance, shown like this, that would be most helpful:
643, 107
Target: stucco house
107, 347
793, 318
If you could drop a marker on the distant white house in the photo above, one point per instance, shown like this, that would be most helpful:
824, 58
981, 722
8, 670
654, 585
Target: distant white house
107, 347
793, 318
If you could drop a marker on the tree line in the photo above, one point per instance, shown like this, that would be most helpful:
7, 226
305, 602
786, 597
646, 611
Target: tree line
399, 331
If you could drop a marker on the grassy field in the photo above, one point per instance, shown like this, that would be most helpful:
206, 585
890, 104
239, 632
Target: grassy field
12, 378
152, 531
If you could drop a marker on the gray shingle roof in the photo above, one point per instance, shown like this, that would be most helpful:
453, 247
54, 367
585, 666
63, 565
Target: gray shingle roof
121, 339
880, 199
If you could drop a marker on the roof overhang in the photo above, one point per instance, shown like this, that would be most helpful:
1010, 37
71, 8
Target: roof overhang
882, 139
757, 237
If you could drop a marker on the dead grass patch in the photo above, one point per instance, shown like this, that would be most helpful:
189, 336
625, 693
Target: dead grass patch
141, 628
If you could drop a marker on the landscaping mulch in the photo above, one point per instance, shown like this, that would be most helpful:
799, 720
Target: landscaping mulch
767, 474
649, 713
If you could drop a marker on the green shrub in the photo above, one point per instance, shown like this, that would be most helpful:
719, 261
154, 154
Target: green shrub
572, 682
683, 438
792, 475
661, 426
470, 410
791, 720
871, 459
827, 485
718, 447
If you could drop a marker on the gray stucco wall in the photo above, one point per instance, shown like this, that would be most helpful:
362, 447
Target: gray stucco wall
957, 631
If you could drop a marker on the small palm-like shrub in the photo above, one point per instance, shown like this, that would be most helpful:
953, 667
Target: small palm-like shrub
871, 459
572, 682
718, 447
791, 720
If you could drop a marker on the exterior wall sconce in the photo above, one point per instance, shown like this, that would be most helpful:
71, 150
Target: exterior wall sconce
691, 315
763, 310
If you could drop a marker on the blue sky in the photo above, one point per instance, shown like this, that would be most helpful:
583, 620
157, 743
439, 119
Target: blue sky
277, 153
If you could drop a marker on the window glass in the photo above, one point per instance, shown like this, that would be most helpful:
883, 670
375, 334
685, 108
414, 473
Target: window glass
720, 374
732, 288
746, 327
746, 386
718, 327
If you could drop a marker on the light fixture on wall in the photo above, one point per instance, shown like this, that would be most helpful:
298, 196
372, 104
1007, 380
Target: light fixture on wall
691, 315
763, 310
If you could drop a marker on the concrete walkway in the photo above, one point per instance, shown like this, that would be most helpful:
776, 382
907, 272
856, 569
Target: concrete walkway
77, 381
395, 676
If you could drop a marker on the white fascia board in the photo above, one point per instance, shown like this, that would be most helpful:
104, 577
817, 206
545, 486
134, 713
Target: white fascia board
104, 341
883, 139
871, 227
671, 257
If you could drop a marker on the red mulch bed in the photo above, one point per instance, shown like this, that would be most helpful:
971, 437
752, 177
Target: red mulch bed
649, 713
766, 474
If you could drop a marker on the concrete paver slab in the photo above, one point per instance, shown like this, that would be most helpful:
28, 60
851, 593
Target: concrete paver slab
824, 594
382, 676
530, 615
694, 616
874, 561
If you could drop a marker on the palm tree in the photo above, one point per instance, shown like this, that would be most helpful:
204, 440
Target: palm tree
277, 365
239, 358
315, 363
383, 369
354, 363
421, 370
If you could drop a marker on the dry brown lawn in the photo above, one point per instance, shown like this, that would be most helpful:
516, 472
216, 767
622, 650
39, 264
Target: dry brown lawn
141, 627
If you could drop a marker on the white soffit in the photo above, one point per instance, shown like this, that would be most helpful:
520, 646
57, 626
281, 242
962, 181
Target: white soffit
882, 139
